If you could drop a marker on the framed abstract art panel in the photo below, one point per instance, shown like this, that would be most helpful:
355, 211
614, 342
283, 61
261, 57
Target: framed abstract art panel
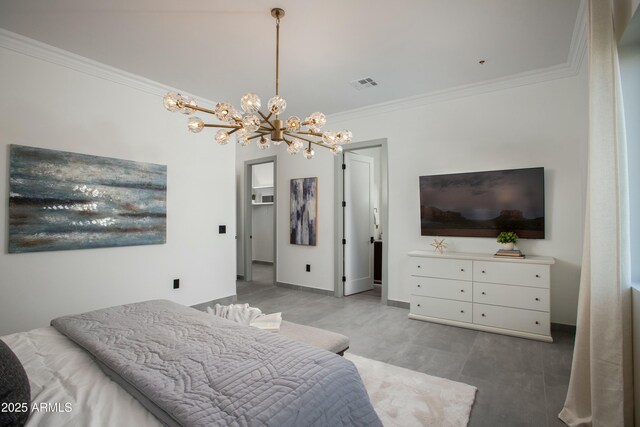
60, 200
304, 211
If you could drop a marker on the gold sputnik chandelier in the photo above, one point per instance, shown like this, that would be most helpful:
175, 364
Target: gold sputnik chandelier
265, 128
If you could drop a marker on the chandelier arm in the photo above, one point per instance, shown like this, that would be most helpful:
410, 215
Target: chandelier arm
204, 110
271, 127
306, 139
223, 126
257, 136
287, 141
266, 118
310, 133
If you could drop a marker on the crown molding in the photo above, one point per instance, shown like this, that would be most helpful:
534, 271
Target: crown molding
570, 68
26, 46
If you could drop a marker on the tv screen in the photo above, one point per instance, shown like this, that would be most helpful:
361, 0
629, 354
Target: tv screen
482, 204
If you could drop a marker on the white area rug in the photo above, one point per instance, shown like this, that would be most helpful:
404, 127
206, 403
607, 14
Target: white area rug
402, 397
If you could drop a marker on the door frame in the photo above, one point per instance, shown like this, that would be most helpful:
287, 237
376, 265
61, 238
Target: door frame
248, 216
339, 214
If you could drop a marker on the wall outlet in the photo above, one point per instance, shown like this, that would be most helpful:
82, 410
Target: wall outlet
308, 267
176, 283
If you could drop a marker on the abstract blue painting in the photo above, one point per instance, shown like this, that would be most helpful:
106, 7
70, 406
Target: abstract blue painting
304, 211
60, 200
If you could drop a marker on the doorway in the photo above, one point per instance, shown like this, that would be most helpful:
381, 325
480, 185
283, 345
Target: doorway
260, 213
361, 188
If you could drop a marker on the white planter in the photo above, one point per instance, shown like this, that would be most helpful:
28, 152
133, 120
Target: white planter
508, 246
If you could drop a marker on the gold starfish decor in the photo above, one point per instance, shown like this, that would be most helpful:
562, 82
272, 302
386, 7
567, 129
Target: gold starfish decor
439, 245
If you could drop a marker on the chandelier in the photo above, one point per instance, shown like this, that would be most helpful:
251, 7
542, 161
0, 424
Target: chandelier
268, 128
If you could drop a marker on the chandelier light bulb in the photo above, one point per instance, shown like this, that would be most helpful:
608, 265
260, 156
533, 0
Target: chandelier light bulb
329, 138
293, 124
344, 137
222, 137
250, 102
277, 105
170, 101
244, 141
264, 142
184, 104
195, 124
251, 122
234, 116
223, 110
336, 149
315, 121
240, 135
294, 147
308, 153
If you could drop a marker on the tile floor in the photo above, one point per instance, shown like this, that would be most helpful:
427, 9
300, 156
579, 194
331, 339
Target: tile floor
520, 382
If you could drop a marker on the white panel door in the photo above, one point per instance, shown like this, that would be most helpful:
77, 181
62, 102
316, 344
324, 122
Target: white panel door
358, 223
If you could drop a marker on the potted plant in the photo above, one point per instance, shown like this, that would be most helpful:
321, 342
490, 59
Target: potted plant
508, 239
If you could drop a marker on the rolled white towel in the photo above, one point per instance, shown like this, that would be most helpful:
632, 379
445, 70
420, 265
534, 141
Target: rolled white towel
241, 313
268, 322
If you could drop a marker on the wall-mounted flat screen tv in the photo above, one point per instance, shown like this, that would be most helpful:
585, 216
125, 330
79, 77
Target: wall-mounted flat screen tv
482, 204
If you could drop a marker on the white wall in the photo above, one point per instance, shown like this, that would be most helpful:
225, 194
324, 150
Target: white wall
542, 124
52, 106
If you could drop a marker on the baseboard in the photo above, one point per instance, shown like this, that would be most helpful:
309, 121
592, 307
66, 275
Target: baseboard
231, 299
305, 288
257, 261
240, 277
561, 327
399, 304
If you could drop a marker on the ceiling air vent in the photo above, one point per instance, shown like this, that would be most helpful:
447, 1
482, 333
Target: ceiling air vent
364, 83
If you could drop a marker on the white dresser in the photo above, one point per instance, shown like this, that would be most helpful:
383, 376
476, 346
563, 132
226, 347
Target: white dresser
480, 291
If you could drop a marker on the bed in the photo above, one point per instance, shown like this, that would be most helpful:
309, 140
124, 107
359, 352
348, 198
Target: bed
160, 363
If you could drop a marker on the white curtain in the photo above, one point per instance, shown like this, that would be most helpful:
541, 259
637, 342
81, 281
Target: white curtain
601, 389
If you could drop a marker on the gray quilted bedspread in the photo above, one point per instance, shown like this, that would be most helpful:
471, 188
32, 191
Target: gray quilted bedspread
194, 369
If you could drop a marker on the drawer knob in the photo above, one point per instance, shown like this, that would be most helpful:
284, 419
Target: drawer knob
461, 290
462, 269
537, 323
537, 299
484, 293
462, 311
418, 305
483, 271
483, 315
537, 275
418, 285
419, 267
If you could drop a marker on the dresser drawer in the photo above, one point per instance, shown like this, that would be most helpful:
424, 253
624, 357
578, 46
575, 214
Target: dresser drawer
508, 273
534, 322
456, 269
441, 288
511, 296
442, 308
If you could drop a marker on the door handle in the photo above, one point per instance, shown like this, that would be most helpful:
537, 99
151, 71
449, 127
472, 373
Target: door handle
372, 240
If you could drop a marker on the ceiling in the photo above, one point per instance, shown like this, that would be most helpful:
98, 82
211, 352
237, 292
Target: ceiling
221, 49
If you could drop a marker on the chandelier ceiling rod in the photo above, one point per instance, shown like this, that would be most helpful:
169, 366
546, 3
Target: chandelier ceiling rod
277, 13
254, 124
